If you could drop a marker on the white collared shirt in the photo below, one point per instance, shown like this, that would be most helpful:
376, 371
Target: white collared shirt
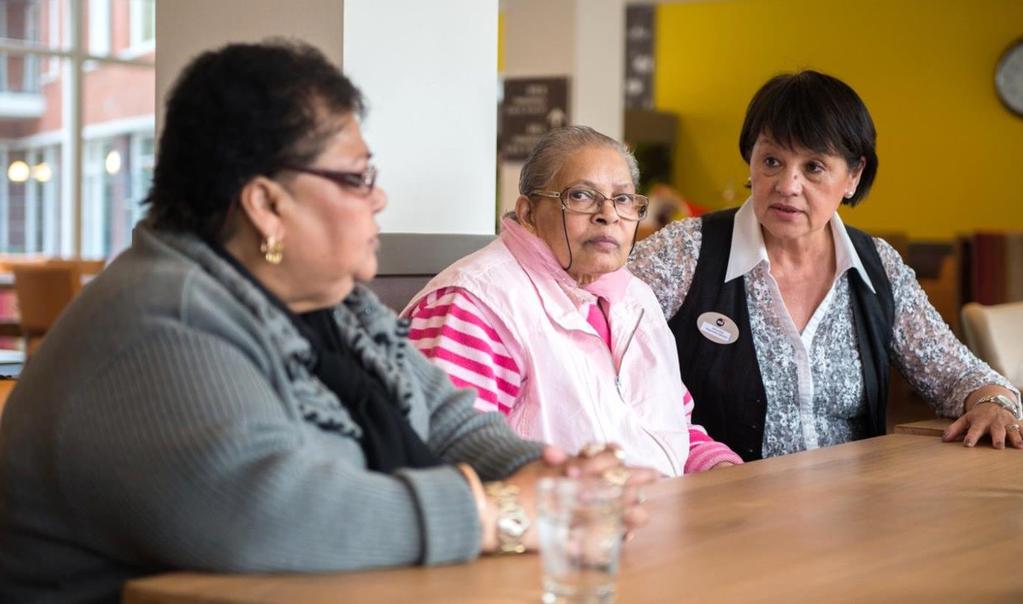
748, 249
813, 380
747, 253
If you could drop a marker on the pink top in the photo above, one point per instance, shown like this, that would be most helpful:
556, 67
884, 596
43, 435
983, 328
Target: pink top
460, 334
598, 320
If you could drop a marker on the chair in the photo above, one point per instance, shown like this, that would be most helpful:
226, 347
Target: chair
6, 385
395, 291
85, 267
994, 333
938, 268
42, 292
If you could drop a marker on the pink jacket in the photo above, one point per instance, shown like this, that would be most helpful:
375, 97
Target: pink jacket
521, 311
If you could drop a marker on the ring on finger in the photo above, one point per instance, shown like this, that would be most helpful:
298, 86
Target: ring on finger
616, 476
591, 449
1012, 427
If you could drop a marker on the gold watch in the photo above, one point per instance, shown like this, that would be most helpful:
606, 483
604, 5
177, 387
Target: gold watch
512, 521
1004, 402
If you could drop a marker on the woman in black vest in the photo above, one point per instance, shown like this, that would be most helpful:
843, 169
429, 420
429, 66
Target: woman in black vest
786, 320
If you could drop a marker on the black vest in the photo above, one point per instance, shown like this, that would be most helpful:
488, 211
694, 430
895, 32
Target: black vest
725, 379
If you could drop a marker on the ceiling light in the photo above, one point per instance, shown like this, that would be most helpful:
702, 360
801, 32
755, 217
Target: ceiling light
113, 162
18, 171
42, 172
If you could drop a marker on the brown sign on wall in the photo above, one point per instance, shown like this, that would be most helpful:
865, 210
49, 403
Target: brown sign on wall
639, 56
531, 107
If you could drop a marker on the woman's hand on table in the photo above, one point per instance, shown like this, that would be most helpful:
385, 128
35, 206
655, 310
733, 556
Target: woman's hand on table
607, 462
986, 419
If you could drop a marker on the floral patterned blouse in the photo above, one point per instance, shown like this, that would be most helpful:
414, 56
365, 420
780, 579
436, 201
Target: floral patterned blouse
813, 379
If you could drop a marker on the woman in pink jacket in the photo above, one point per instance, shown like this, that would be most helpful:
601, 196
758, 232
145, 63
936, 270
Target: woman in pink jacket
550, 328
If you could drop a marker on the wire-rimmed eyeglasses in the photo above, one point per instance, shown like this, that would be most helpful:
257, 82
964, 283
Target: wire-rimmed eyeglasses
584, 200
359, 182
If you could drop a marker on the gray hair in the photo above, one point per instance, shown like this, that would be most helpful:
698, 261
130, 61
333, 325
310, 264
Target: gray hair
550, 152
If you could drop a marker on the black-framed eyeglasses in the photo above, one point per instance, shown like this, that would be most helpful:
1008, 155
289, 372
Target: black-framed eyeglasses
360, 182
584, 200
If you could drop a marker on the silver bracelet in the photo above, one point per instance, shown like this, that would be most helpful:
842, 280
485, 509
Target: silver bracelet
1004, 402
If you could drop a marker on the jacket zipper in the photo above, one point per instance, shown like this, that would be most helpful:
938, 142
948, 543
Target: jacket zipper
628, 343
618, 386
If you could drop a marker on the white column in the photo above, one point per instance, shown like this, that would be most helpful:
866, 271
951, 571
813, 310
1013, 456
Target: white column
598, 79
71, 145
429, 74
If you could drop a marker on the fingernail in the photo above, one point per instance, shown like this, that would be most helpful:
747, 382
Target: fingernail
944, 435
968, 443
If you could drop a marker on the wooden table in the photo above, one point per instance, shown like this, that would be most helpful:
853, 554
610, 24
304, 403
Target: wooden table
899, 518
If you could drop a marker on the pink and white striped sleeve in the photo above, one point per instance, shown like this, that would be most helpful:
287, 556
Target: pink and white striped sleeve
450, 329
704, 451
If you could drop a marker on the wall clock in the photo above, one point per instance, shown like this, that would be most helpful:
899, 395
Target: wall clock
1009, 77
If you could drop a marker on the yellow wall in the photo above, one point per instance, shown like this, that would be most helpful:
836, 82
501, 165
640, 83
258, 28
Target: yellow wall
951, 156
500, 42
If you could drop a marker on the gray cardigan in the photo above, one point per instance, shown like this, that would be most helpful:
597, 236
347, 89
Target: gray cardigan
169, 421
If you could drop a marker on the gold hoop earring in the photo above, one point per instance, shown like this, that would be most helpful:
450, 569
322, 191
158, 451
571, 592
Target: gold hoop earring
272, 249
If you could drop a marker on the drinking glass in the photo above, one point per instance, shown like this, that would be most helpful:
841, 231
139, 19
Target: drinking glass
581, 529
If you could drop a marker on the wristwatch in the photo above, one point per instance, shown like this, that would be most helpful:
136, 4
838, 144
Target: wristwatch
512, 521
1004, 402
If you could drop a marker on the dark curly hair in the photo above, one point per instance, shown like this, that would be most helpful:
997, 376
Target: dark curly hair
818, 112
238, 112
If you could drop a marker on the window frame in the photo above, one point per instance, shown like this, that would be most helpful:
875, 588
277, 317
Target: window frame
99, 41
75, 58
138, 44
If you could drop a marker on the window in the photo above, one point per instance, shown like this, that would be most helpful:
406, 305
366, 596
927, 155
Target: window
99, 27
143, 25
51, 17
111, 148
116, 177
143, 160
4, 59
18, 21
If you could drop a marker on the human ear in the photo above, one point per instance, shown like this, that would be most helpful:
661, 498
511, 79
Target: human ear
856, 171
524, 213
260, 200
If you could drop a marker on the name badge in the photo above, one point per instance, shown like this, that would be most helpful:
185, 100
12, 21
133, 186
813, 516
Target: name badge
717, 328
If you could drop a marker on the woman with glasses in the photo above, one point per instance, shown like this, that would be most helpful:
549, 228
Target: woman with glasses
547, 326
228, 397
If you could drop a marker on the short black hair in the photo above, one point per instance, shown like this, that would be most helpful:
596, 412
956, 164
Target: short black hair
238, 112
816, 111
